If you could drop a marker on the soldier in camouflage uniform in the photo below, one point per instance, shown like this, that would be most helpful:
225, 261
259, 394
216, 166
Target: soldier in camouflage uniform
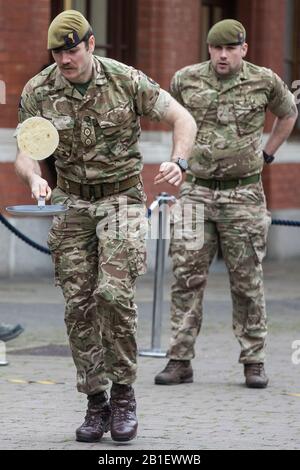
98, 245
228, 98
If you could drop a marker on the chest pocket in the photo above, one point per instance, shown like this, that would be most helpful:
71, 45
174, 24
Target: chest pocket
59, 111
249, 113
202, 105
65, 127
119, 128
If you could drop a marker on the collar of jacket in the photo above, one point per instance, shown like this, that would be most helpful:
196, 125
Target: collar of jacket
208, 74
98, 78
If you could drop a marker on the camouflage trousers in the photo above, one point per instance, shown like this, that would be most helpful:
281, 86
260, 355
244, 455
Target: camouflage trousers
99, 250
239, 219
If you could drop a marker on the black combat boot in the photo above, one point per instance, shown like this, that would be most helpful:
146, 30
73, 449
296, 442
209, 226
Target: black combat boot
255, 375
123, 425
175, 372
97, 419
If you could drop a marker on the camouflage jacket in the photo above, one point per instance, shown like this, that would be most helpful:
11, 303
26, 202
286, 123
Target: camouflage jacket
230, 116
99, 131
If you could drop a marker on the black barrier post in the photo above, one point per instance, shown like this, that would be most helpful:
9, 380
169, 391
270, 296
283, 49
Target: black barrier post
162, 200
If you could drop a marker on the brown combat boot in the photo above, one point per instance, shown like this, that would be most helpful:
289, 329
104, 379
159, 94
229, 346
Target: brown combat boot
123, 425
97, 419
175, 372
255, 375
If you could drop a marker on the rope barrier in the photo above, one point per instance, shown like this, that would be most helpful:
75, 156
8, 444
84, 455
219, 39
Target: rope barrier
23, 237
42, 249
289, 223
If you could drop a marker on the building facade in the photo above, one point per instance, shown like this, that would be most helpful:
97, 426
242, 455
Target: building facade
158, 37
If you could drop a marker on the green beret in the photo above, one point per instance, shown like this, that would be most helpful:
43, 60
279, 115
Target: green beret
67, 30
226, 32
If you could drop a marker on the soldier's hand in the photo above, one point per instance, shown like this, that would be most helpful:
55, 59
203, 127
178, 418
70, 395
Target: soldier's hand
169, 172
40, 188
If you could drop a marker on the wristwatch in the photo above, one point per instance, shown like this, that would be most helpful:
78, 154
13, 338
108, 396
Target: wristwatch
268, 158
182, 163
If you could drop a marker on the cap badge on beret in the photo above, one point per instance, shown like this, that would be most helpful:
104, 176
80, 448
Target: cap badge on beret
71, 39
241, 37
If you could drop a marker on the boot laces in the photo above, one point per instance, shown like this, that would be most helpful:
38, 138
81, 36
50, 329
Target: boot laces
92, 418
120, 413
257, 369
172, 365
96, 412
122, 408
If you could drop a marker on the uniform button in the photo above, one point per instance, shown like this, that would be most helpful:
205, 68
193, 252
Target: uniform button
88, 141
87, 132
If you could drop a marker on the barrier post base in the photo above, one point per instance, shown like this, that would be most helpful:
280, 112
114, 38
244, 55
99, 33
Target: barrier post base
152, 353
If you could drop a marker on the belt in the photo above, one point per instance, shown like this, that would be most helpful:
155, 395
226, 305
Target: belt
223, 184
96, 191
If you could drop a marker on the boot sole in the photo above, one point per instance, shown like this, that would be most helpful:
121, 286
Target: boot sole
257, 385
122, 439
86, 439
183, 381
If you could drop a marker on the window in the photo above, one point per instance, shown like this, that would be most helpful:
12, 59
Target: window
213, 11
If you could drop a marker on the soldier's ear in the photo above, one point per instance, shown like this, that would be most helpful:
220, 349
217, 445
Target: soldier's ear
92, 43
244, 49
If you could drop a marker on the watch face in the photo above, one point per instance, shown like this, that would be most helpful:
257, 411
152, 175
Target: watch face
182, 163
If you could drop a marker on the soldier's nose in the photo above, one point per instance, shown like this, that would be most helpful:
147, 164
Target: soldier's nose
65, 59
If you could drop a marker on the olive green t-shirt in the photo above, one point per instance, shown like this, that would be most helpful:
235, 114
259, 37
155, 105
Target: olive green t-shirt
82, 87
